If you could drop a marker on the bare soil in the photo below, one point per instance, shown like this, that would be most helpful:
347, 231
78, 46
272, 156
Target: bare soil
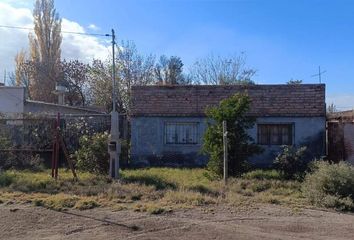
262, 222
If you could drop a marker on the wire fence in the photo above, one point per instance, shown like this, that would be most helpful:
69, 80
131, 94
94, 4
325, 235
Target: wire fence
25, 142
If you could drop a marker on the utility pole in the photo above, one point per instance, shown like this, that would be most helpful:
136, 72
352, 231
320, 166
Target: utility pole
319, 74
114, 147
224, 136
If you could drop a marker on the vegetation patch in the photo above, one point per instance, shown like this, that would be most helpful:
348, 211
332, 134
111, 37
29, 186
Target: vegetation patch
84, 204
330, 185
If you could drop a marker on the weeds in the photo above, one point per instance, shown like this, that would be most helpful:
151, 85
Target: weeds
155, 190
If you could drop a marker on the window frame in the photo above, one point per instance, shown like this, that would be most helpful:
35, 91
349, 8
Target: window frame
176, 123
291, 126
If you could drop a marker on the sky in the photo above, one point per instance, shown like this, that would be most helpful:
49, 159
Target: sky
282, 39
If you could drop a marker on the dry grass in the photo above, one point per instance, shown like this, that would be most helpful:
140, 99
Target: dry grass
155, 190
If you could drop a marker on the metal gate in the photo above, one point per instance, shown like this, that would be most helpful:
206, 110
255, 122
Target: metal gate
340, 142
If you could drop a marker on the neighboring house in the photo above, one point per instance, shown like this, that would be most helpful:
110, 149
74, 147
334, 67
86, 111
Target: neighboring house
340, 134
13, 103
168, 122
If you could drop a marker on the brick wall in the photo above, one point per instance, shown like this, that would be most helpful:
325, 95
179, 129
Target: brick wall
267, 100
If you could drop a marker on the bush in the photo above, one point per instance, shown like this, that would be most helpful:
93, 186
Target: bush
330, 185
261, 174
240, 145
291, 161
93, 154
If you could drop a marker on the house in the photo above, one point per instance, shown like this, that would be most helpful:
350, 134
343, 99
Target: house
168, 122
13, 103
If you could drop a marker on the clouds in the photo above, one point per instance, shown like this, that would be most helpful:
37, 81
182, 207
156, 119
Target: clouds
82, 47
93, 27
16, 13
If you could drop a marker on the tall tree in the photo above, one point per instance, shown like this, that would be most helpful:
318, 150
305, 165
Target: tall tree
75, 78
214, 70
22, 71
170, 71
45, 50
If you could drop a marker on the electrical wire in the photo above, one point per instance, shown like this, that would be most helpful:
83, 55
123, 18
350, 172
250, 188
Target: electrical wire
69, 32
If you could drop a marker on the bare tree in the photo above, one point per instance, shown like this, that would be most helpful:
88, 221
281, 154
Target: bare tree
45, 50
213, 70
331, 108
132, 69
22, 71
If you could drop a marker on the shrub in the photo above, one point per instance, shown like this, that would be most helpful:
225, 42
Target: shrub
330, 185
240, 145
291, 161
261, 174
93, 154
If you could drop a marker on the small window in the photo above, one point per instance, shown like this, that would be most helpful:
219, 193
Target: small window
181, 133
275, 134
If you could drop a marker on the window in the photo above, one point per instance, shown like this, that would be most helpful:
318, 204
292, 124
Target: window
275, 134
181, 133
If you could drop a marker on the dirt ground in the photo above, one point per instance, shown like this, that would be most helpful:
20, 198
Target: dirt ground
262, 222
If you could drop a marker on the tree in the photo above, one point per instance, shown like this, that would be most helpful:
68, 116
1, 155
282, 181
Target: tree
100, 81
332, 108
240, 145
132, 69
45, 51
294, 81
170, 71
23, 71
214, 70
75, 79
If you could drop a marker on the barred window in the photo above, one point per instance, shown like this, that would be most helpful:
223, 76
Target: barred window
275, 134
181, 133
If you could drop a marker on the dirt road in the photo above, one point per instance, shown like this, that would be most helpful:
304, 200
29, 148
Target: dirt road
265, 222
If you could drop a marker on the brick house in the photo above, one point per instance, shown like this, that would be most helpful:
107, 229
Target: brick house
168, 122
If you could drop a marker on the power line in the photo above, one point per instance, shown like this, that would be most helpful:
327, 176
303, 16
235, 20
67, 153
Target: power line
69, 32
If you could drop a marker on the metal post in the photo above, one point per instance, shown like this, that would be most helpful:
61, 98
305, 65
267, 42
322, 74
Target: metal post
224, 131
57, 149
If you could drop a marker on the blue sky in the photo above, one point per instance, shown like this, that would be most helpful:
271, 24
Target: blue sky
282, 39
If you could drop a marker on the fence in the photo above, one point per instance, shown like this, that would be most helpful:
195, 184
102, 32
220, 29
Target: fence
23, 141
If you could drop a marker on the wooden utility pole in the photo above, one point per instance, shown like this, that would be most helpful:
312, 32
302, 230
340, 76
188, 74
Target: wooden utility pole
225, 144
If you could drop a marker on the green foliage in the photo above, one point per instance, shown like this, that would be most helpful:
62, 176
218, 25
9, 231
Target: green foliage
330, 185
240, 145
291, 161
93, 154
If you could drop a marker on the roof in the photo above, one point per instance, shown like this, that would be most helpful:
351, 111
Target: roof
292, 100
52, 107
342, 115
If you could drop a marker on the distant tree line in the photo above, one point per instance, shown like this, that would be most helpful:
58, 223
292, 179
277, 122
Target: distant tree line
42, 68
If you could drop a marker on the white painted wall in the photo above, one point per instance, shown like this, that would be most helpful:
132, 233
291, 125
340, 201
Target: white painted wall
11, 100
